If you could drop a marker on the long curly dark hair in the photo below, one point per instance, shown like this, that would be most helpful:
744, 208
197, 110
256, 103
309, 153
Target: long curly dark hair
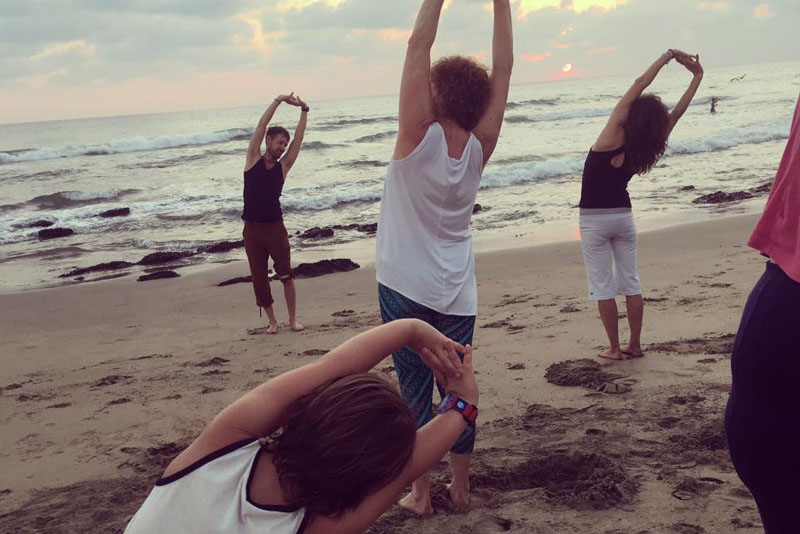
341, 442
646, 133
462, 90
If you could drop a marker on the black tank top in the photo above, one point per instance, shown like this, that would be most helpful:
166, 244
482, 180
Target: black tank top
262, 192
603, 185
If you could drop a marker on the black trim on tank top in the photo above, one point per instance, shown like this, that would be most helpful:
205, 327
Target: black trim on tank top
268, 507
163, 481
304, 524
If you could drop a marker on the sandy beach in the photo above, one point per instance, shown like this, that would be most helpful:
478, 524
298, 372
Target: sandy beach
103, 383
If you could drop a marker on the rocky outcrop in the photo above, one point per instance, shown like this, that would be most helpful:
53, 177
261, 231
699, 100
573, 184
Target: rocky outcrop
157, 258
53, 233
159, 275
110, 266
239, 280
118, 212
39, 224
317, 233
721, 197
222, 246
311, 270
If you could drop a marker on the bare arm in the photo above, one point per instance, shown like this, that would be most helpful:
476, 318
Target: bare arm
488, 129
432, 443
254, 148
692, 64
613, 135
416, 101
288, 159
258, 413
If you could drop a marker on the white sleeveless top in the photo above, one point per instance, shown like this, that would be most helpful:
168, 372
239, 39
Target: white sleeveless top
424, 249
212, 496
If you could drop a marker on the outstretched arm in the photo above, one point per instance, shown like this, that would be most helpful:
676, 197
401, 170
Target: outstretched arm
254, 148
613, 135
692, 64
432, 443
416, 101
258, 413
288, 159
488, 129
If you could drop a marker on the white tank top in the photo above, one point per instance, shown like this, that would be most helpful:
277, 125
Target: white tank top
212, 496
424, 249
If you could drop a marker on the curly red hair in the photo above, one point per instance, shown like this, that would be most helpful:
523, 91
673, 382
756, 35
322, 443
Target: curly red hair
461, 90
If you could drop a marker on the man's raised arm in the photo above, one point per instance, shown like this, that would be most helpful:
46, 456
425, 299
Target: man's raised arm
254, 148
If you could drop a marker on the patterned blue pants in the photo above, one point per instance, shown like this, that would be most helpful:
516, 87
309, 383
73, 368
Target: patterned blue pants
416, 379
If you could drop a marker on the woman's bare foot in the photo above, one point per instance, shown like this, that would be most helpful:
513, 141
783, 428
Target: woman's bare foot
297, 327
272, 328
612, 354
633, 351
419, 506
459, 495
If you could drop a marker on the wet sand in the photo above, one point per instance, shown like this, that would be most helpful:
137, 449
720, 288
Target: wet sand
102, 384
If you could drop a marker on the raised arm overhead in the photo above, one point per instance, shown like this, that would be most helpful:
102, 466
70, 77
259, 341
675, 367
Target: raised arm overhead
488, 129
416, 101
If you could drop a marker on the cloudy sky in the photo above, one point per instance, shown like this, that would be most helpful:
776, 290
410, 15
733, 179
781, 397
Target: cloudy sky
83, 58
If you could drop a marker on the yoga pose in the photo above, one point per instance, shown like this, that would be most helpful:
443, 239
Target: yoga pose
323, 449
449, 121
632, 141
264, 233
761, 419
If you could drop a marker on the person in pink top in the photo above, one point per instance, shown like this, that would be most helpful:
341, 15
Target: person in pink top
762, 418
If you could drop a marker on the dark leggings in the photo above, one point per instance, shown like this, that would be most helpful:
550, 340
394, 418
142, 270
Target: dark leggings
762, 419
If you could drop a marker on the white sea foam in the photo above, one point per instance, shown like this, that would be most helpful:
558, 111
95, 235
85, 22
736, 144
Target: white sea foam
138, 144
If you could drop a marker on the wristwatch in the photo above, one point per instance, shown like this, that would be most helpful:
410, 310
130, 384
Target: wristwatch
451, 401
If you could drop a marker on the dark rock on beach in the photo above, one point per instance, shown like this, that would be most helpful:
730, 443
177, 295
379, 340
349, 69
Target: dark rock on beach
310, 270
345, 226
317, 233
52, 233
110, 266
239, 280
368, 228
39, 224
765, 188
721, 197
158, 276
222, 246
118, 212
477, 208
165, 257
687, 188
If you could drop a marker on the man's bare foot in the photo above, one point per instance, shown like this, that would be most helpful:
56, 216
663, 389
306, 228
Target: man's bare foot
297, 327
418, 506
632, 352
459, 495
610, 354
272, 328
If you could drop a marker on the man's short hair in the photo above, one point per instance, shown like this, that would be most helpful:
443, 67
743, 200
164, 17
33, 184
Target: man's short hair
275, 131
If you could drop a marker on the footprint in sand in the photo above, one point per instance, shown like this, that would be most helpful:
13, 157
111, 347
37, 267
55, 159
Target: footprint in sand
491, 524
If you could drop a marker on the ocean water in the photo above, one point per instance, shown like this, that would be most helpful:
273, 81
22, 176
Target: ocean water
181, 173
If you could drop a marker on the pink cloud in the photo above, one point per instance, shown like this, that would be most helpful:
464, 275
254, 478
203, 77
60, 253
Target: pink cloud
763, 12
535, 58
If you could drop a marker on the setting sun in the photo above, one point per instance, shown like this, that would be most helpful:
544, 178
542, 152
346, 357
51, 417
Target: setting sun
567, 67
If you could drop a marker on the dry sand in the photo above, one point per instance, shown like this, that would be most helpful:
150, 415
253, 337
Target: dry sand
102, 384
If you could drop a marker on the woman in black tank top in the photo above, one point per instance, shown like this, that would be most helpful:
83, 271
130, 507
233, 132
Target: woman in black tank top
632, 141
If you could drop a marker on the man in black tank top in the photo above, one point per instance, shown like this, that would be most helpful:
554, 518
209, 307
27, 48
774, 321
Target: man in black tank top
265, 235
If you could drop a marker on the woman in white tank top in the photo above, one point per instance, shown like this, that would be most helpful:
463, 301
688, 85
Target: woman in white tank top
449, 121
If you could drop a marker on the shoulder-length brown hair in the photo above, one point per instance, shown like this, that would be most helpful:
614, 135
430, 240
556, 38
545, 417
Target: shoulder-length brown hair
341, 442
646, 132
461, 90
